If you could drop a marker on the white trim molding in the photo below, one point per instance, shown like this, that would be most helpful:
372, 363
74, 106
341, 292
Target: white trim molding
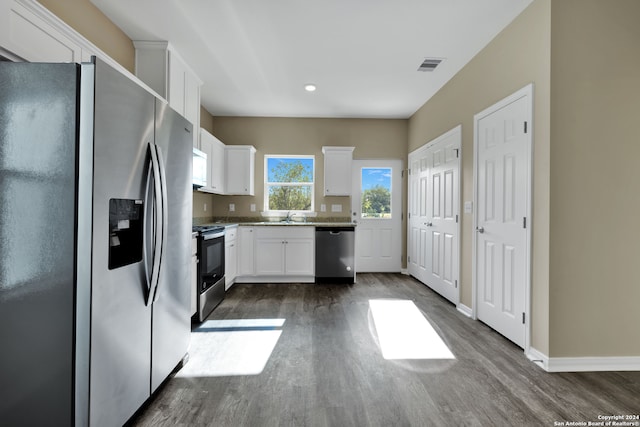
583, 364
465, 310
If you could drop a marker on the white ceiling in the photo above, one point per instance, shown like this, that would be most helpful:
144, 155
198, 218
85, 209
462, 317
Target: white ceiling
255, 56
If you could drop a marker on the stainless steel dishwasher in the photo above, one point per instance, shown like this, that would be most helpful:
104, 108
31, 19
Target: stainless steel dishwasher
335, 248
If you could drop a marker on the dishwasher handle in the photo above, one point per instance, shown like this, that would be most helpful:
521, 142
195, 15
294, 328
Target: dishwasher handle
335, 229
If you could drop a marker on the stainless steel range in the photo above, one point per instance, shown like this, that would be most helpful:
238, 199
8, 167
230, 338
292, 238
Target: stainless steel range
210, 269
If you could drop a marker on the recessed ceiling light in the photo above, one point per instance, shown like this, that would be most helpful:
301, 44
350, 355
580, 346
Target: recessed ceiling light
310, 87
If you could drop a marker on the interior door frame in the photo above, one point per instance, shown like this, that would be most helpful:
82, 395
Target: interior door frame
526, 91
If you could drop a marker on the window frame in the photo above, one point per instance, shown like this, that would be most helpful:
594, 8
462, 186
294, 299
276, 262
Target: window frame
268, 184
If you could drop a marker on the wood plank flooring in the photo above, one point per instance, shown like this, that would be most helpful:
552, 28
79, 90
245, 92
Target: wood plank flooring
326, 369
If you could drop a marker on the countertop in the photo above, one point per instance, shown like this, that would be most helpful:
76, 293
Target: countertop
282, 223
253, 221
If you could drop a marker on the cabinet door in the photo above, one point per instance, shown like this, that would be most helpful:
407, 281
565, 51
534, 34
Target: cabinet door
191, 98
246, 261
299, 257
206, 146
231, 263
269, 256
194, 284
25, 34
217, 167
240, 162
337, 171
177, 72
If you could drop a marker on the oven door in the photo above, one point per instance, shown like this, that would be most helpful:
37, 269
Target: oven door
211, 259
210, 273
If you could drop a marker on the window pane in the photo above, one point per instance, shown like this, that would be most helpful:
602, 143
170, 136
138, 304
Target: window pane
289, 169
290, 198
376, 193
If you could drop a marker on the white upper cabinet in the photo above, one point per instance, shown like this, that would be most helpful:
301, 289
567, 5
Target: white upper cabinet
240, 164
163, 69
337, 170
215, 150
27, 35
30, 32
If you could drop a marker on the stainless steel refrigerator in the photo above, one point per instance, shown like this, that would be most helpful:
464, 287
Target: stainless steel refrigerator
95, 229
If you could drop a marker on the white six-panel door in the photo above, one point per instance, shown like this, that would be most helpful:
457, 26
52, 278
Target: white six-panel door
433, 237
418, 236
443, 205
502, 209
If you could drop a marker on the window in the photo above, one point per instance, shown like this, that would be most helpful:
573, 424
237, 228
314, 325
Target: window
288, 183
376, 193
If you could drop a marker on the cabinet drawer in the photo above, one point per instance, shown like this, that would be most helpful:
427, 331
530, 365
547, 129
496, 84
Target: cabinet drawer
230, 234
286, 232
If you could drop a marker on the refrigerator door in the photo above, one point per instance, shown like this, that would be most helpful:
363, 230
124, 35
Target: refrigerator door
172, 303
120, 317
38, 150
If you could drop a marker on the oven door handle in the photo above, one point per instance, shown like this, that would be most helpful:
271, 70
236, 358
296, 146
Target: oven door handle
158, 228
210, 236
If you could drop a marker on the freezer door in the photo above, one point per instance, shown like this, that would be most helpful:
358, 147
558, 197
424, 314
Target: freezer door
171, 307
122, 219
38, 109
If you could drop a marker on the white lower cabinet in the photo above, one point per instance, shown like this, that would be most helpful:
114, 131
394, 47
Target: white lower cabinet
230, 256
194, 275
286, 252
299, 256
246, 264
277, 254
269, 256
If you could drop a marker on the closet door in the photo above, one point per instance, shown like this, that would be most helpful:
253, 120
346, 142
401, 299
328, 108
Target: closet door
434, 206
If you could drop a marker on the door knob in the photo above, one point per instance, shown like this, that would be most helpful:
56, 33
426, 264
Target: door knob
480, 230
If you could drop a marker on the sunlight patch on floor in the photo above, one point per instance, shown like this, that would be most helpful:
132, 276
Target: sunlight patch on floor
231, 347
404, 333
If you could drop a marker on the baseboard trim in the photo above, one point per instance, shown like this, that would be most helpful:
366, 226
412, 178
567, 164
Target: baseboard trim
404, 271
465, 310
589, 364
583, 364
537, 357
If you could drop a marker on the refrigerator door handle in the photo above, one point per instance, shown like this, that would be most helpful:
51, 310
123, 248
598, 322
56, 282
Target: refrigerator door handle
164, 216
158, 223
149, 233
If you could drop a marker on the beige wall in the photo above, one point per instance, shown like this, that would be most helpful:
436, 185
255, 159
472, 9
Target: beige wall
89, 21
206, 120
595, 175
519, 55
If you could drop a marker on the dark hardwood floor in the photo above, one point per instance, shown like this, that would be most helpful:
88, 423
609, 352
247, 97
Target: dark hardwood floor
326, 369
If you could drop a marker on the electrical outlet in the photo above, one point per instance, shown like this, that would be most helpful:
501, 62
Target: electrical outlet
232, 207
253, 207
205, 207
336, 208
323, 207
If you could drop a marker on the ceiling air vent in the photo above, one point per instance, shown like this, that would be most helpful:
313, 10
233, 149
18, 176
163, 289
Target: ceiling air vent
429, 64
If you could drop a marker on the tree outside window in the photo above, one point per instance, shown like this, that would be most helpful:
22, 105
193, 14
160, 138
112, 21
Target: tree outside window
289, 183
376, 193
